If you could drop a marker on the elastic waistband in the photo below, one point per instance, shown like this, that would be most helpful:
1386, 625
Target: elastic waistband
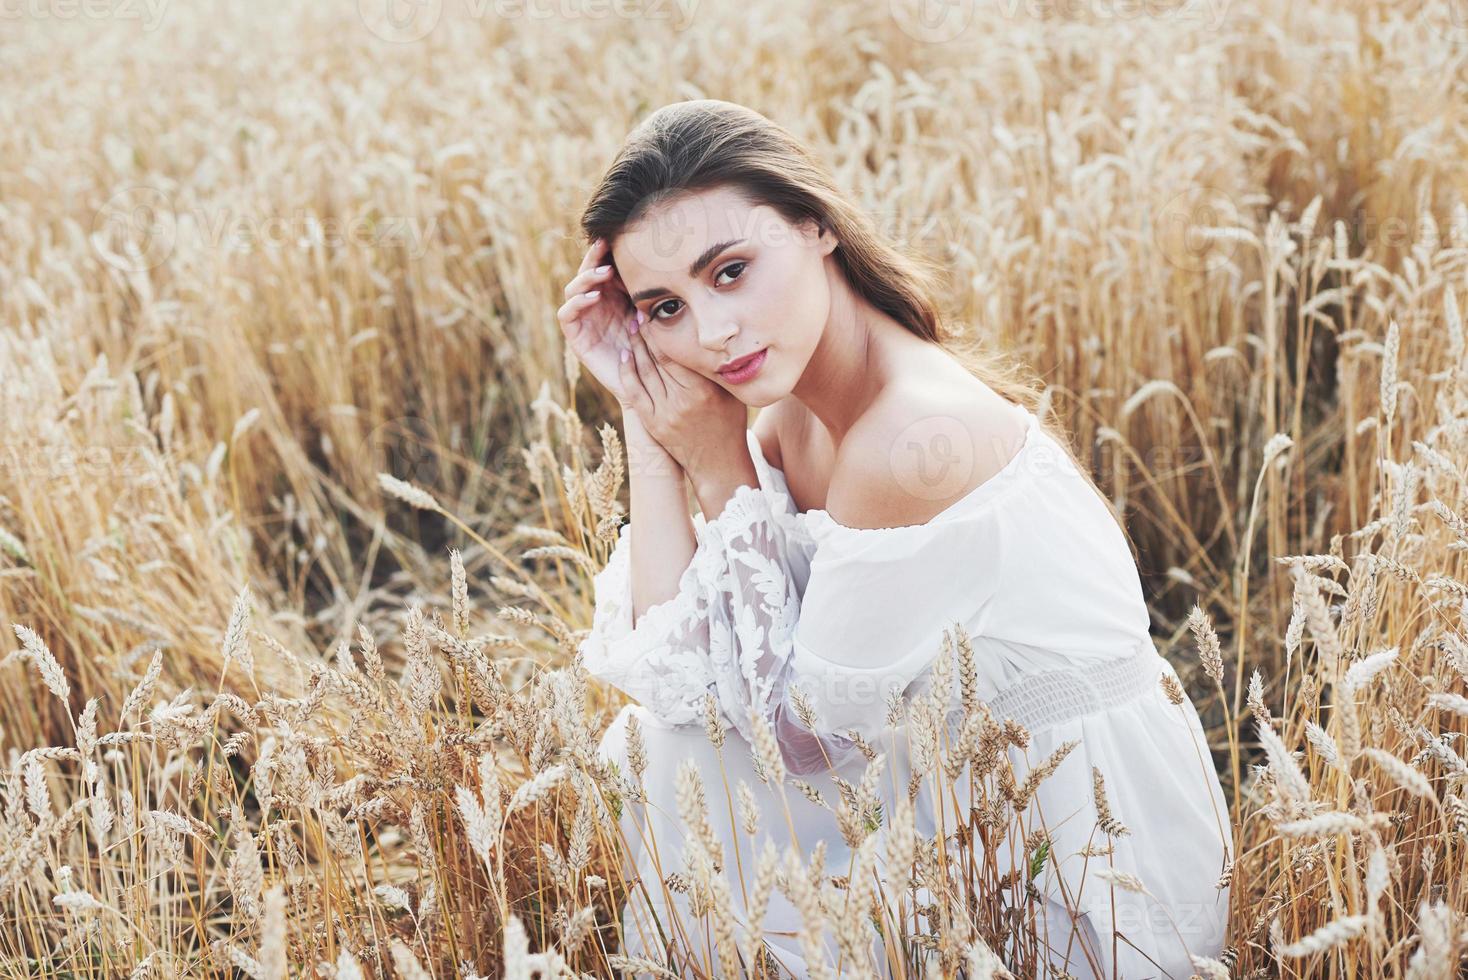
1049, 697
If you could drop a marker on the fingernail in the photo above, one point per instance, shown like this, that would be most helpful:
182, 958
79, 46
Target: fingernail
625, 354
632, 326
602, 268
593, 294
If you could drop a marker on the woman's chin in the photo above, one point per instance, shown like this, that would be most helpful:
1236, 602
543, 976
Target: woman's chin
758, 397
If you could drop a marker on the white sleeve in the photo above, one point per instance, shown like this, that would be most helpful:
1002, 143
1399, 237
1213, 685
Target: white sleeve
662, 662
727, 631
759, 614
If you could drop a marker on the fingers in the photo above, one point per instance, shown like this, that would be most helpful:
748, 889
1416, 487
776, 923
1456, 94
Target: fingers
596, 266
594, 255
665, 363
647, 366
590, 278
670, 371
570, 312
576, 305
634, 394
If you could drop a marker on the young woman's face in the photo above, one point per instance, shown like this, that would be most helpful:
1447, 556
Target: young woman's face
719, 279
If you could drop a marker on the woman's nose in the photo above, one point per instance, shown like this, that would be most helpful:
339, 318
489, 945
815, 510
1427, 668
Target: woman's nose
716, 336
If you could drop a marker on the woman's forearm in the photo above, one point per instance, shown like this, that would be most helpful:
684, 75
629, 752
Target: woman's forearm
662, 535
714, 487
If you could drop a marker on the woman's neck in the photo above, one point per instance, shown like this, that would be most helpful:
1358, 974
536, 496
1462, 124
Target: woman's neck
860, 352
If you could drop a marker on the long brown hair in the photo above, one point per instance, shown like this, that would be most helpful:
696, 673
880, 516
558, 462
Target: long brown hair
701, 144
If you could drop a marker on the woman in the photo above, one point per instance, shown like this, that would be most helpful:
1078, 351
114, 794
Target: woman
892, 486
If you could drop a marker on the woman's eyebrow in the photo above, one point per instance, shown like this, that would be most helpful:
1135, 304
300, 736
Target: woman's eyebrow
709, 254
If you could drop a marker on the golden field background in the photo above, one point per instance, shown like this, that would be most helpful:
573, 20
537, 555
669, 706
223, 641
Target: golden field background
253, 256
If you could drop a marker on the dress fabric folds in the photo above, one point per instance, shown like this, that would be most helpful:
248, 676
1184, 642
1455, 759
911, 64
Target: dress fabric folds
777, 601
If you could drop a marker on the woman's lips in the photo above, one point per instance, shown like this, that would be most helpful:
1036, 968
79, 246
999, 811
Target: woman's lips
747, 370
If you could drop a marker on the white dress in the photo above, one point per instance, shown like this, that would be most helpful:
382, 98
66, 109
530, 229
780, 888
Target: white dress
1036, 569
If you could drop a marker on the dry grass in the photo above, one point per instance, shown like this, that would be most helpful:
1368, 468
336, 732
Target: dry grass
259, 717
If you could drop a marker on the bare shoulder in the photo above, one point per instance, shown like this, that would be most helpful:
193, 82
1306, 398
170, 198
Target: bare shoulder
919, 449
766, 428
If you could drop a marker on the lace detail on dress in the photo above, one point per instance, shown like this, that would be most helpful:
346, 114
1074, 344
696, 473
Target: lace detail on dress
667, 678
729, 629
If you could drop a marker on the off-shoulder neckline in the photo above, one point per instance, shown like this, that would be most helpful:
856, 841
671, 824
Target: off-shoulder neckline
819, 517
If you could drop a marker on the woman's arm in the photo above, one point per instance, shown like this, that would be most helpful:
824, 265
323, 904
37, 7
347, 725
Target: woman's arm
716, 485
662, 531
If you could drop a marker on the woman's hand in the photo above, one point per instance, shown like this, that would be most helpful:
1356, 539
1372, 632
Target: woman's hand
696, 420
596, 315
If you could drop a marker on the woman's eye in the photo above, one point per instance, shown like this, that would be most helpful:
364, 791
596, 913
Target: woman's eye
655, 314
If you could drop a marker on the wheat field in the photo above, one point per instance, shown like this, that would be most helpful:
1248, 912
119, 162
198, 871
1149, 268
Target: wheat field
301, 499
